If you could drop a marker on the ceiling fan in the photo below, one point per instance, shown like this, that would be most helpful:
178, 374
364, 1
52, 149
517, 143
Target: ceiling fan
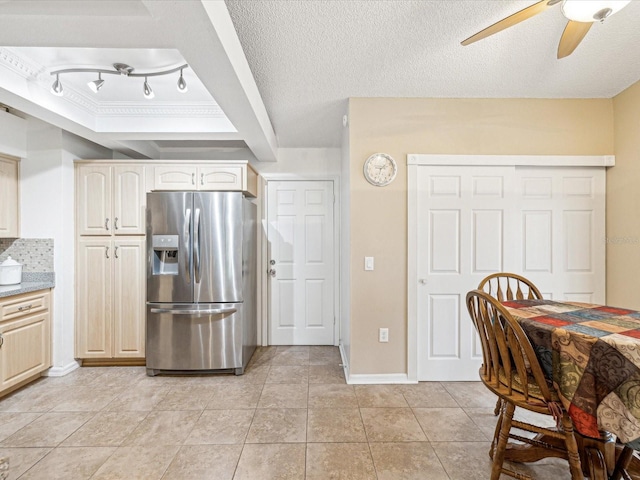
580, 13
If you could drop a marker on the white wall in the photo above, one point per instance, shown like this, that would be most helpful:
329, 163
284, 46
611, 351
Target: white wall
13, 135
47, 211
302, 163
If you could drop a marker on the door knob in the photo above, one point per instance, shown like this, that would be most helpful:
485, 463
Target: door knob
272, 272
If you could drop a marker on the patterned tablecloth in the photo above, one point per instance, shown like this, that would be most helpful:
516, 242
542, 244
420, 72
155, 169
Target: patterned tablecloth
592, 355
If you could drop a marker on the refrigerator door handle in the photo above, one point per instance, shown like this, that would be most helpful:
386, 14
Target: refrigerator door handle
196, 245
182, 311
187, 228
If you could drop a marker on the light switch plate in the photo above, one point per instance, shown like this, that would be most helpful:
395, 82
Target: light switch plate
368, 263
383, 335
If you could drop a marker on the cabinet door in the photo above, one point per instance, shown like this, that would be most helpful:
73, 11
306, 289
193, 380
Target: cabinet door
128, 200
26, 348
9, 198
174, 177
94, 298
93, 200
220, 177
129, 298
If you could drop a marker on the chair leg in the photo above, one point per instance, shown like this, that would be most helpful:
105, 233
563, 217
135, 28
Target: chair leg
496, 410
505, 428
572, 448
622, 463
496, 433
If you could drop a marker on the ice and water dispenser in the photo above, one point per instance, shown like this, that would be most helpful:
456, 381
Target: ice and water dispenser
165, 254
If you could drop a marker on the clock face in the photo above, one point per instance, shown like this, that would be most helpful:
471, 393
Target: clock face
380, 169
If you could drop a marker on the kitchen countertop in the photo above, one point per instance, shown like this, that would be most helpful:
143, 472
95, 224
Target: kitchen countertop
31, 282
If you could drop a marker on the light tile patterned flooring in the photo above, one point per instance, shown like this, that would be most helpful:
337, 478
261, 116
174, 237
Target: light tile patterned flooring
291, 416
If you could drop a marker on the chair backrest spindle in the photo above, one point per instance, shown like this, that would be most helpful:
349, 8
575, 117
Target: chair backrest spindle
505, 286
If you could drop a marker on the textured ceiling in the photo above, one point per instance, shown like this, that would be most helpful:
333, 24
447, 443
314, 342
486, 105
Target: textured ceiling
309, 56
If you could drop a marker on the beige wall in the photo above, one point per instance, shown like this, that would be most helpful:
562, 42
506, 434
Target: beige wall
448, 126
623, 203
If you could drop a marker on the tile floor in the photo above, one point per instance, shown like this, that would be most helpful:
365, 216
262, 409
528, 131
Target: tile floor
291, 416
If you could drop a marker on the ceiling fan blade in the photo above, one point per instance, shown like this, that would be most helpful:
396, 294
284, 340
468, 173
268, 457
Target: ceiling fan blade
511, 20
573, 34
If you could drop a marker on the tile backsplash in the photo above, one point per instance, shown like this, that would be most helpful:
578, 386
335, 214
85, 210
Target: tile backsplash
35, 254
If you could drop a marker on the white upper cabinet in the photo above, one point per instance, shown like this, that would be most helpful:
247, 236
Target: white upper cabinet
225, 176
110, 199
128, 200
174, 177
9, 207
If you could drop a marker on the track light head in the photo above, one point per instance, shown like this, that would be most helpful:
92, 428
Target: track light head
146, 88
96, 84
182, 84
56, 88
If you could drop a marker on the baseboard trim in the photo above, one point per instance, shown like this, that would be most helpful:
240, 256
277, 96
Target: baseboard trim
61, 371
345, 362
375, 379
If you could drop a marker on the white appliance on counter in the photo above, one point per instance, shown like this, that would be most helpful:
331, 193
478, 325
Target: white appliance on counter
10, 272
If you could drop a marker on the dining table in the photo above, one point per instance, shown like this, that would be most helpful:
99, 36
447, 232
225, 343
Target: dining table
591, 355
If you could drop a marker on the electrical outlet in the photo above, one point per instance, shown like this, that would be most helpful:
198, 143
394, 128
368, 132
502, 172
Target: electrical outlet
383, 335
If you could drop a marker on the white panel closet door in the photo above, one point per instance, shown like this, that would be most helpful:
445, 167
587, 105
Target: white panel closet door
463, 214
546, 223
301, 238
562, 231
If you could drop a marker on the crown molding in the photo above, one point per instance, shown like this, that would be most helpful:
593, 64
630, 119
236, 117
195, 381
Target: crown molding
22, 66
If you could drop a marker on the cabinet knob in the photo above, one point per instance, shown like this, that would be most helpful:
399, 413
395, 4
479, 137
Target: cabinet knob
106, 252
115, 223
193, 179
1, 340
106, 224
202, 179
115, 252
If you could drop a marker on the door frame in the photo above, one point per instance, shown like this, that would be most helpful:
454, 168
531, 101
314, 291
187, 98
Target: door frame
416, 160
263, 254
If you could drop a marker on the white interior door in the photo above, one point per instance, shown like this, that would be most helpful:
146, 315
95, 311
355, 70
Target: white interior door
546, 223
463, 235
561, 229
301, 255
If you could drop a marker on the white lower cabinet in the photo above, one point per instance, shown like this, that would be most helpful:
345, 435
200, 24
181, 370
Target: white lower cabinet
25, 338
110, 302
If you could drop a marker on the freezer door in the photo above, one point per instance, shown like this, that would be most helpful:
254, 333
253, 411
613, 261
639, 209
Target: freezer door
169, 247
217, 247
194, 337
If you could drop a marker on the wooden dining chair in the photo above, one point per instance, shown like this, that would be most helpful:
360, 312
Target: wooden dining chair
504, 286
511, 370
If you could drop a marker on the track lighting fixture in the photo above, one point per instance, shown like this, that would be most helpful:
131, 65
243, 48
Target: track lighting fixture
182, 85
96, 84
56, 88
119, 69
146, 88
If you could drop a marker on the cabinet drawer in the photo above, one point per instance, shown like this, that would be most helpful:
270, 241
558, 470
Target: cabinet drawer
25, 304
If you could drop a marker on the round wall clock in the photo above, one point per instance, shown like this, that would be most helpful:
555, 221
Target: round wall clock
380, 169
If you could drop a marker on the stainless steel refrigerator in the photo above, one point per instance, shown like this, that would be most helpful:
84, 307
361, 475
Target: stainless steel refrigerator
201, 282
